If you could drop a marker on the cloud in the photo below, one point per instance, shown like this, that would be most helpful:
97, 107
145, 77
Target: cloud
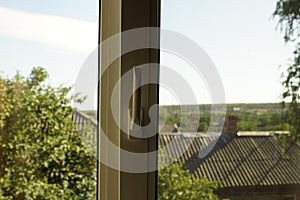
56, 31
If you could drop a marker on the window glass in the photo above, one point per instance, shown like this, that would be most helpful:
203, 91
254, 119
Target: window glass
47, 109
224, 132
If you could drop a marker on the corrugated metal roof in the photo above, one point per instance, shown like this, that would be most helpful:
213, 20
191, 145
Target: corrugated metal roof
237, 161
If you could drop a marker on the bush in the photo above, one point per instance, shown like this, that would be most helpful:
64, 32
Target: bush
176, 183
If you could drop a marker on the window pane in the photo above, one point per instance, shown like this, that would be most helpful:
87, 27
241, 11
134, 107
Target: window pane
47, 137
243, 146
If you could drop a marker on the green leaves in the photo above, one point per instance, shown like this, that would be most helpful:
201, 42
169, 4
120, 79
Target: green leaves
42, 156
174, 183
288, 14
37, 76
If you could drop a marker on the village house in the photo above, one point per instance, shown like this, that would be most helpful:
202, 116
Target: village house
249, 165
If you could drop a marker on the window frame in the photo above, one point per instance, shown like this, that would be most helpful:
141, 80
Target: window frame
117, 16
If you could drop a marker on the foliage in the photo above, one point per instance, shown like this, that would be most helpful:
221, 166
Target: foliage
176, 183
41, 154
203, 127
252, 117
88, 137
288, 14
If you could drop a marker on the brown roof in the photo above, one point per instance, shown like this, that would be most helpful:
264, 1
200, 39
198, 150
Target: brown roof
238, 161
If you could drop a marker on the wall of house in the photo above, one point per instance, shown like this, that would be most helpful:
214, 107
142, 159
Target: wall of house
261, 193
256, 197
266, 197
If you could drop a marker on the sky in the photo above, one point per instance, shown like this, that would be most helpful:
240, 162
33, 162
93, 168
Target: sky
239, 36
57, 35
241, 39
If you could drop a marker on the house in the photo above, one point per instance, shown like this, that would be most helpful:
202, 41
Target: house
248, 165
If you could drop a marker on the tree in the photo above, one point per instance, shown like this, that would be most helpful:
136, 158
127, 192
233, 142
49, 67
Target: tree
42, 156
203, 127
175, 183
288, 14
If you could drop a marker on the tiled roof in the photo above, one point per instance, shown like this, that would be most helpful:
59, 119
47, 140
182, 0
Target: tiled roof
237, 161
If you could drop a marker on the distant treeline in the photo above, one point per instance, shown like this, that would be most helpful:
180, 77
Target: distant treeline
252, 116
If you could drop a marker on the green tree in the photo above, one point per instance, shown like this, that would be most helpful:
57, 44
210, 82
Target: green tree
42, 156
288, 14
203, 127
174, 183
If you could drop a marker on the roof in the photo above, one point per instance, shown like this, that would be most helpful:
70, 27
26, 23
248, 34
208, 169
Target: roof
238, 161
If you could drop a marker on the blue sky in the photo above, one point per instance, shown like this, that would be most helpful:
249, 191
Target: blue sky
86, 10
53, 34
239, 36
